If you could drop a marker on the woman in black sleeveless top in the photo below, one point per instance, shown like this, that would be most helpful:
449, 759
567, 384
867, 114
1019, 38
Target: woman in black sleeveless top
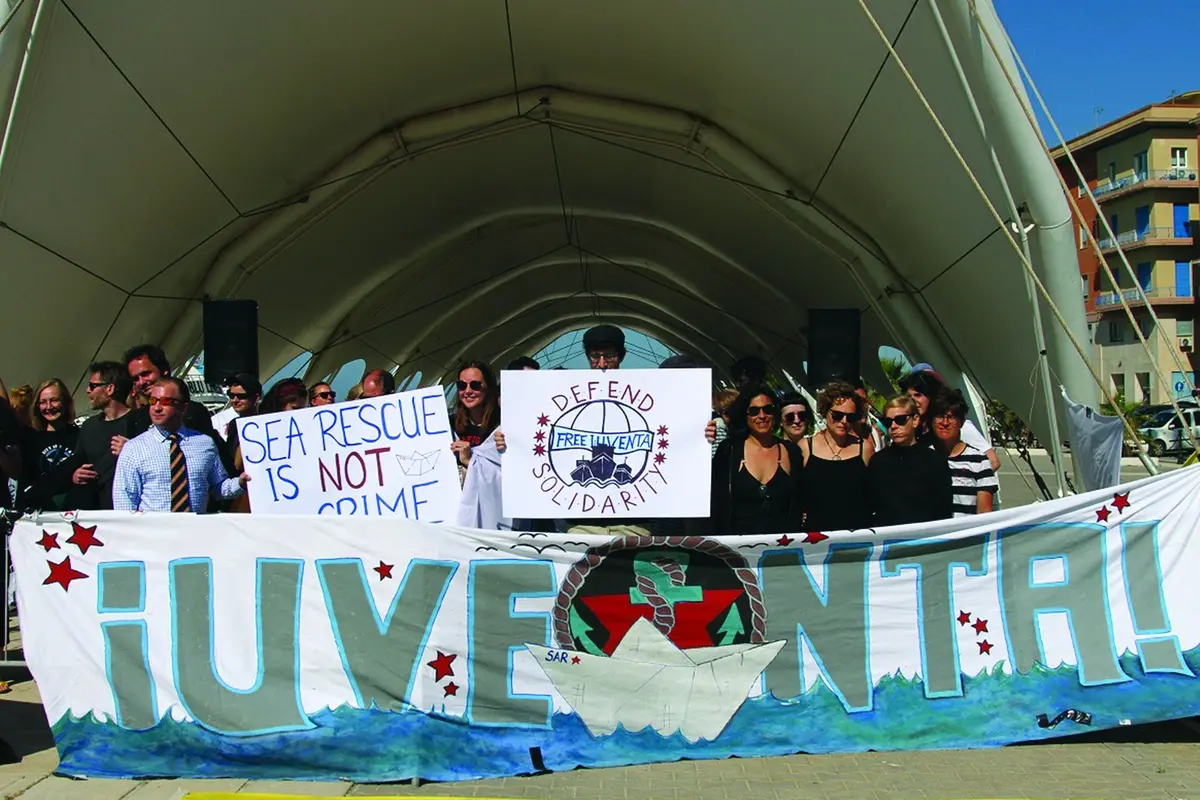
756, 486
835, 464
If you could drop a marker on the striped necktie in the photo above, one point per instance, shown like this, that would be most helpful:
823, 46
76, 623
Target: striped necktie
180, 503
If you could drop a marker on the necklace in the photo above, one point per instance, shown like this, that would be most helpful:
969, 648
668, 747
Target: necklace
837, 454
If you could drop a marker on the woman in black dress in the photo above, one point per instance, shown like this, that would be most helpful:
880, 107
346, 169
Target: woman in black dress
910, 481
756, 485
835, 464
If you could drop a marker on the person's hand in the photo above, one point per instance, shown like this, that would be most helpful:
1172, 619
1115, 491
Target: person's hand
462, 450
243, 479
84, 474
710, 431
116, 444
501, 443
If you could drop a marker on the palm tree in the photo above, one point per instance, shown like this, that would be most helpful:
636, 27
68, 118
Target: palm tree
895, 369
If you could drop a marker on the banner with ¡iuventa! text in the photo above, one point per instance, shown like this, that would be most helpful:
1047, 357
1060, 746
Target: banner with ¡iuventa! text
383, 649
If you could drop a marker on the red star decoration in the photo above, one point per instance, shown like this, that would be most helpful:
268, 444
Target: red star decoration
662, 430
49, 541
985, 647
660, 458
84, 538
784, 541
1121, 502
813, 537
980, 625
1102, 514
662, 444
692, 619
963, 618
384, 570
442, 665
540, 436
451, 689
543, 420
539, 449
63, 574
574, 659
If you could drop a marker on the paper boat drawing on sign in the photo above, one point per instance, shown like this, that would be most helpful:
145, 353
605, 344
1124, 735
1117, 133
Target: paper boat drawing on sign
418, 464
649, 682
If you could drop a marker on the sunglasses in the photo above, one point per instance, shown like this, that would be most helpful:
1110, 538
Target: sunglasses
475, 386
324, 395
758, 411
239, 396
899, 421
794, 418
852, 416
169, 402
97, 384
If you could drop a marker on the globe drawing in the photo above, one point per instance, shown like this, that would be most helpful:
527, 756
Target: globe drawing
600, 443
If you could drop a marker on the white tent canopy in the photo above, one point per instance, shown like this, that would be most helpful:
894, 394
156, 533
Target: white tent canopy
415, 183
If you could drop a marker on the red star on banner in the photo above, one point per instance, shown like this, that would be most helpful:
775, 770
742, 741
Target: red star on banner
662, 444
963, 618
784, 541
575, 659
980, 625
451, 689
543, 420
84, 538
692, 619
660, 458
442, 665
985, 647
1121, 502
1102, 514
63, 574
49, 541
384, 570
662, 430
813, 537
540, 436
539, 449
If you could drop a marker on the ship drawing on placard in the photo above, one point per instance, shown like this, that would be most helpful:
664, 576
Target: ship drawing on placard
649, 682
416, 464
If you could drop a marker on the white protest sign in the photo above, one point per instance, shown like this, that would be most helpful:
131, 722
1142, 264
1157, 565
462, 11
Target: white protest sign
385, 456
616, 444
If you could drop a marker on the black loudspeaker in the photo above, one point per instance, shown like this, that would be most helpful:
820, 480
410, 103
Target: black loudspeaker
833, 345
230, 339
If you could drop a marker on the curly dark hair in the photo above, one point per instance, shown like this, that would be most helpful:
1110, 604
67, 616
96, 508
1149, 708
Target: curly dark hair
836, 392
948, 402
741, 406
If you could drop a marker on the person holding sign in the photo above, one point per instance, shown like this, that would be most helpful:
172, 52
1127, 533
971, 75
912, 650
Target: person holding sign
477, 413
170, 467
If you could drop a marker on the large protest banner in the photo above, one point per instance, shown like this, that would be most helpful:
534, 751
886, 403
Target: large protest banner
614, 444
381, 649
386, 456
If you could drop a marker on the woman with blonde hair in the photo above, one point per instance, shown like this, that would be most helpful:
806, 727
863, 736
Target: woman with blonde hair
835, 463
910, 481
49, 441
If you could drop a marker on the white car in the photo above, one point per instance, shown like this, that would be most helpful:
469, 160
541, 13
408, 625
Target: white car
1165, 432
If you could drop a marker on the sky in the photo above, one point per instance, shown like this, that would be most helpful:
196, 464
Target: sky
1096, 60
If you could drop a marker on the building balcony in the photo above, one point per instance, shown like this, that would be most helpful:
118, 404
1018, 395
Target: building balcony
1175, 177
1166, 294
1149, 236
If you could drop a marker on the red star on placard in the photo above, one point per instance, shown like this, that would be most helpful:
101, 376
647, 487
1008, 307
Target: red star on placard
84, 538
662, 430
49, 541
539, 449
543, 420
692, 619
662, 444
451, 689
813, 537
784, 541
980, 625
575, 659
384, 570
660, 458
985, 647
1121, 502
540, 436
963, 618
1102, 514
63, 574
442, 665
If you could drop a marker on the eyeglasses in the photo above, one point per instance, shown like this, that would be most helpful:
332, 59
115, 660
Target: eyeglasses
240, 395
475, 386
759, 411
794, 418
899, 421
324, 395
608, 358
98, 384
947, 416
169, 402
851, 416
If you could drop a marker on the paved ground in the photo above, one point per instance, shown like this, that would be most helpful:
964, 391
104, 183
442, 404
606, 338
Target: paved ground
1018, 487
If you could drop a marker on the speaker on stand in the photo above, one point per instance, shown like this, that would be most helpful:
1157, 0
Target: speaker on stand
834, 341
230, 339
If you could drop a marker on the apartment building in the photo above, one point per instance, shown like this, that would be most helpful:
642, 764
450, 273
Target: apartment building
1142, 169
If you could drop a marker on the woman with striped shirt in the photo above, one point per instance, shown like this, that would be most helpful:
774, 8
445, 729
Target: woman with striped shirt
972, 480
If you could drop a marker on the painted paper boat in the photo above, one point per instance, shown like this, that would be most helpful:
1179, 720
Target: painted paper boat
649, 682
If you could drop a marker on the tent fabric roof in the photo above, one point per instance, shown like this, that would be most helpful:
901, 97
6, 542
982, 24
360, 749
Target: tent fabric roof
415, 183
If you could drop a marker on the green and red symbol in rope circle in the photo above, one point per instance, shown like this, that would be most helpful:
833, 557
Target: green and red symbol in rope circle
696, 591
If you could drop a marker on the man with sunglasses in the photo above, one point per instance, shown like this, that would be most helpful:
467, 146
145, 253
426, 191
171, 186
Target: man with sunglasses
170, 467
89, 470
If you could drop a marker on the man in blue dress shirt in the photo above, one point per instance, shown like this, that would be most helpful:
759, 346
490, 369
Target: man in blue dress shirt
170, 467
